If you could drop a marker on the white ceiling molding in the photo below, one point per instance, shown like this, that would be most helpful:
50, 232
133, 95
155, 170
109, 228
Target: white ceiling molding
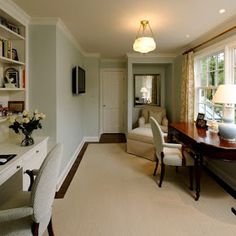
94, 55
151, 55
59, 23
217, 30
15, 11
113, 60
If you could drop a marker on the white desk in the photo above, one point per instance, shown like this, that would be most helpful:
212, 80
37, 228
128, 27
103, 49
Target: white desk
30, 157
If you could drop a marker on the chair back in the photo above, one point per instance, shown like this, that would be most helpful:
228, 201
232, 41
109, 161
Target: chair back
158, 137
44, 188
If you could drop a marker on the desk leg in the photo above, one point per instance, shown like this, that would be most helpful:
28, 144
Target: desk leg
197, 163
233, 209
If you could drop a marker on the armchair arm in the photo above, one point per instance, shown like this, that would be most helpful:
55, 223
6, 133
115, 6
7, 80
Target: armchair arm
173, 145
164, 121
31, 174
141, 121
15, 213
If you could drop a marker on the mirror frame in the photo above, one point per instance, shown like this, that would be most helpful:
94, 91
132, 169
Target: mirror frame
134, 91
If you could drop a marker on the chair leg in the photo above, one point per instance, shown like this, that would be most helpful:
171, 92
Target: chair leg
35, 229
162, 169
155, 170
191, 168
176, 169
50, 228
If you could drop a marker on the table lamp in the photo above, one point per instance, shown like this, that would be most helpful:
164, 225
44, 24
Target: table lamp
226, 94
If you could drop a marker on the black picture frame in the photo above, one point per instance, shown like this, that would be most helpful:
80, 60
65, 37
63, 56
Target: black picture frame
201, 123
15, 55
16, 106
200, 116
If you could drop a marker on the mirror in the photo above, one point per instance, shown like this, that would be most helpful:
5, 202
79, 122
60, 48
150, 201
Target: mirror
147, 89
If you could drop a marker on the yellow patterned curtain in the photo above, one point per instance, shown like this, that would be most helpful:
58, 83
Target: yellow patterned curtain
187, 89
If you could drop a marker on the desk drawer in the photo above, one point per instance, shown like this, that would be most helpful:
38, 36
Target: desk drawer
9, 171
33, 160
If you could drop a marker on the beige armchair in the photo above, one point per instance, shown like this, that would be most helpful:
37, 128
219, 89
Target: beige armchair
140, 139
158, 113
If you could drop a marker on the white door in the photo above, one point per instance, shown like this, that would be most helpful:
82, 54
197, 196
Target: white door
112, 101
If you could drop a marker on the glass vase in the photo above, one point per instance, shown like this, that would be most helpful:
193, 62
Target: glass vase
28, 140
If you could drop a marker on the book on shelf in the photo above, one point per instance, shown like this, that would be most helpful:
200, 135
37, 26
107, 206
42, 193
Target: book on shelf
6, 48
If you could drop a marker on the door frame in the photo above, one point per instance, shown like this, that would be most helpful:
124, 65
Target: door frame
101, 96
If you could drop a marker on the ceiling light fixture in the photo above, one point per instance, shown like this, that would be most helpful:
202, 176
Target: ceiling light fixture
221, 11
144, 41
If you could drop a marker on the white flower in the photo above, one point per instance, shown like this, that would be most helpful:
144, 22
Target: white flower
42, 116
12, 119
25, 113
37, 117
26, 120
36, 111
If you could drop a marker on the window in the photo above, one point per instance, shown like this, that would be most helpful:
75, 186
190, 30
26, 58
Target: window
234, 65
209, 73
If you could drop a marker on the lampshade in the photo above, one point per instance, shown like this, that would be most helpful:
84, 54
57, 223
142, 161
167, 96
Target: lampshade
143, 90
226, 93
144, 41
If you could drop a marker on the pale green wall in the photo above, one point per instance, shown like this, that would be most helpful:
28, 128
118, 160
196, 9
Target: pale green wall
42, 76
52, 57
91, 98
69, 109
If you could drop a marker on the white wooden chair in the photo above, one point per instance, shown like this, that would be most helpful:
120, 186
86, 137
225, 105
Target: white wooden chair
169, 153
29, 213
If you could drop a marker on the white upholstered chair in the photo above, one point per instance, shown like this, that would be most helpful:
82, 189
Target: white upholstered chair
169, 153
29, 213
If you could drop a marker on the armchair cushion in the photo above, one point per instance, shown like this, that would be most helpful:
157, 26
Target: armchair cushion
158, 113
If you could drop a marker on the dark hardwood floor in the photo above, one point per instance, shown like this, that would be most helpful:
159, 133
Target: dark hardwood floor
105, 138
112, 138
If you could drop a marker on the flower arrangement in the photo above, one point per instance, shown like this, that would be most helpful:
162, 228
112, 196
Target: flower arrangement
26, 123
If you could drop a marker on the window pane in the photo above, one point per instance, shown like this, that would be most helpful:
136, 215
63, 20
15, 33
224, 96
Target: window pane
220, 61
201, 108
211, 78
203, 72
235, 57
235, 75
221, 77
212, 63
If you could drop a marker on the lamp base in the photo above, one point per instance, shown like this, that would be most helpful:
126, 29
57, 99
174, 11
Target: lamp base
227, 131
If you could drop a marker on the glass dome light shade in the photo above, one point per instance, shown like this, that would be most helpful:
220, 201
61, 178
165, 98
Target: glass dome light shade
144, 44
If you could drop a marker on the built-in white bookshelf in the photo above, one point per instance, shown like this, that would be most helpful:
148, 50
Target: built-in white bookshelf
12, 61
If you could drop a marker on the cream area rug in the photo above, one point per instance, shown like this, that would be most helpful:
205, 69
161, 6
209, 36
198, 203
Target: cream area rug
114, 194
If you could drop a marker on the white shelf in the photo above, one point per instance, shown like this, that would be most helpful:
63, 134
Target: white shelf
12, 89
3, 119
10, 61
9, 34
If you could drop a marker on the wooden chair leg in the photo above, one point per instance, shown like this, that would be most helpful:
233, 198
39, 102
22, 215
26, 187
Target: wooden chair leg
191, 168
35, 229
155, 170
162, 170
50, 228
176, 169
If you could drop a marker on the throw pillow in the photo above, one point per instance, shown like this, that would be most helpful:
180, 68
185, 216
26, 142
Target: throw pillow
157, 116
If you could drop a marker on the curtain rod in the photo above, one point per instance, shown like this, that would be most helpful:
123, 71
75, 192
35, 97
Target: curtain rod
209, 40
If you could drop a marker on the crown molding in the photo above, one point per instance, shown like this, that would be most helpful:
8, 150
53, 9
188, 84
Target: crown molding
110, 60
211, 33
60, 24
92, 55
151, 55
15, 11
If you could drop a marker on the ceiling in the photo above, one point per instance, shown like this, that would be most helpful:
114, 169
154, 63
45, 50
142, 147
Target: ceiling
109, 27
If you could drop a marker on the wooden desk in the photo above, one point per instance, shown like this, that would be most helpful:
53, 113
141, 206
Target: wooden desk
203, 143
29, 157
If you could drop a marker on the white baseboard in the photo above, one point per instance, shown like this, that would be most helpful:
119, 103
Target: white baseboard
91, 139
73, 158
